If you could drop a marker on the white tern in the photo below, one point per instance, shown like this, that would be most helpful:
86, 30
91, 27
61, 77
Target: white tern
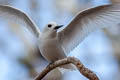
55, 45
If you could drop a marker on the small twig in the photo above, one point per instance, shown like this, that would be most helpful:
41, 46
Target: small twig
83, 70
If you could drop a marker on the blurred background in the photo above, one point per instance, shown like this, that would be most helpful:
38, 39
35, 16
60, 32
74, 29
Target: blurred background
20, 58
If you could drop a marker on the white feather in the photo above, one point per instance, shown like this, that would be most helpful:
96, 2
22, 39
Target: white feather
13, 14
86, 22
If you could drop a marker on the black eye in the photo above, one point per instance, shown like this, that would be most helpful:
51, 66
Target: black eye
49, 25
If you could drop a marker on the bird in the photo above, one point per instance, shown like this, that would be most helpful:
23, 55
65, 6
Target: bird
54, 44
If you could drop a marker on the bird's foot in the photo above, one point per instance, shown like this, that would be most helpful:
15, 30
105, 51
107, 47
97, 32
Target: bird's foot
50, 64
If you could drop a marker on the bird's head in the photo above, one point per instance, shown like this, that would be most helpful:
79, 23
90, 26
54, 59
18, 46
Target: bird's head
51, 28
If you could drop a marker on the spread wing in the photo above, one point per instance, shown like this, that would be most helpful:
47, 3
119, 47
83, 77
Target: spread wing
86, 22
13, 14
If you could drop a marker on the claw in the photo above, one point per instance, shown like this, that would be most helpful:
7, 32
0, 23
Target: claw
49, 65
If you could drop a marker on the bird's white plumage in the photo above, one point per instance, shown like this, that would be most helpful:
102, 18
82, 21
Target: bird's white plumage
51, 43
86, 22
18, 16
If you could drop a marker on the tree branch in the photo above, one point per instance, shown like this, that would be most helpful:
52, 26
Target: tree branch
83, 70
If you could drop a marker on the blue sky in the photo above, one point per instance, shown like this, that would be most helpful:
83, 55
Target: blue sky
102, 62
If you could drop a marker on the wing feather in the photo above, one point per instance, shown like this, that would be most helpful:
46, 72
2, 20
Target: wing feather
87, 21
18, 16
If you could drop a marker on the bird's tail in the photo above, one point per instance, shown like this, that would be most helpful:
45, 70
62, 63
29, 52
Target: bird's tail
66, 68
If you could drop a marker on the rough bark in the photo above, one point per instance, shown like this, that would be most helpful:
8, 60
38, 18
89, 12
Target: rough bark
83, 70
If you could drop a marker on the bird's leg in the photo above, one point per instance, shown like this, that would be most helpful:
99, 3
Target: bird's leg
50, 64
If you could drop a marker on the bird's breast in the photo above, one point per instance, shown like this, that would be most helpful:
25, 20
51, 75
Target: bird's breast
47, 43
51, 50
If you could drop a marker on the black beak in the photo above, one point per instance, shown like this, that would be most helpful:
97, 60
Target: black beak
57, 27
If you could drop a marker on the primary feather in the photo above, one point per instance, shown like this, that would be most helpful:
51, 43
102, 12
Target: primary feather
13, 14
87, 21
